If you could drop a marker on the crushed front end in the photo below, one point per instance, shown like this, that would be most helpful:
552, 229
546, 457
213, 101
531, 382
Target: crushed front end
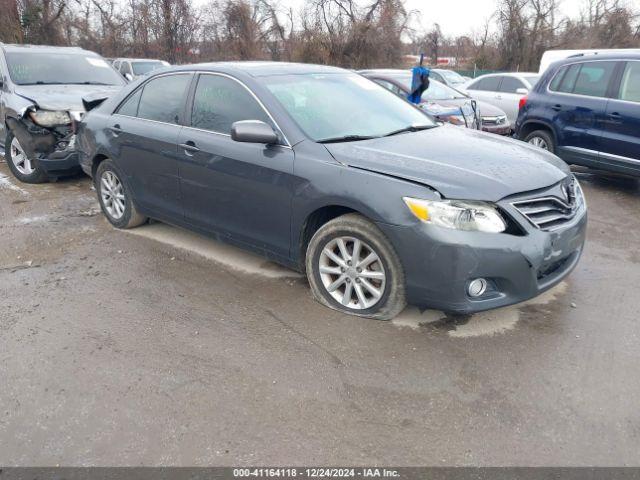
48, 139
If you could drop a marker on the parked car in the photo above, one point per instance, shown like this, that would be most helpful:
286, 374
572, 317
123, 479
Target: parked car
586, 109
448, 77
322, 170
134, 68
444, 103
503, 90
41, 90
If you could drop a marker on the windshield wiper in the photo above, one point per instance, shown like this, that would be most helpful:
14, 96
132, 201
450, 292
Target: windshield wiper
40, 82
410, 128
347, 138
89, 83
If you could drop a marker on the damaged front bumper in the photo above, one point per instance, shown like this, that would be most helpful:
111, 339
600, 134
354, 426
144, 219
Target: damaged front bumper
53, 149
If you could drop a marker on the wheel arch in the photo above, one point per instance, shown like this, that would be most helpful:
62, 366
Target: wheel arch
316, 219
533, 125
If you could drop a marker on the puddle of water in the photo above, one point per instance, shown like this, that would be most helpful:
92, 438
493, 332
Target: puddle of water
6, 184
492, 322
210, 249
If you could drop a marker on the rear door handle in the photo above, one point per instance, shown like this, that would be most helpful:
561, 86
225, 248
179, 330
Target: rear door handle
557, 108
116, 130
615, 116
498, 97
189, 148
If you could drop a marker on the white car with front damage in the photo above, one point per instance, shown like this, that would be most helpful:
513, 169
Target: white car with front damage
41, 101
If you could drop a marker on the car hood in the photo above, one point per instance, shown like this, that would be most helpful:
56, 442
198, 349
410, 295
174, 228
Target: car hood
63, 97
457, 162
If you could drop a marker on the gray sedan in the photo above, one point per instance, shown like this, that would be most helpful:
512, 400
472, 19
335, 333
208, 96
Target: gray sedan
326, 172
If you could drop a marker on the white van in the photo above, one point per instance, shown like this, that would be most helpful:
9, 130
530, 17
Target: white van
551, 56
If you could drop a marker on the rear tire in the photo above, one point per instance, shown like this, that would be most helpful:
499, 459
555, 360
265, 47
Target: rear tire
353, 268
23, 168
541, 139
115, 197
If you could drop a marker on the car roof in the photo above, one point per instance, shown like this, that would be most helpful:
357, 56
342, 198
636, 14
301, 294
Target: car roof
259, 69
11, 47
596, 56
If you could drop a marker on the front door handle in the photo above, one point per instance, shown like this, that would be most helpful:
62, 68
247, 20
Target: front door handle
189, 148
556, 107
116, 130
615, 116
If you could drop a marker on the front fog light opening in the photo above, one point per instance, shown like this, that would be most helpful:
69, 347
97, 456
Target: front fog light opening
477, 287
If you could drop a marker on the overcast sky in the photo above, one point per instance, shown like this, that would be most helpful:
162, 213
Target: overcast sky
456, 17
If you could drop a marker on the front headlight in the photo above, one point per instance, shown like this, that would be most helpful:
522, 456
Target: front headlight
457, 214
49, 118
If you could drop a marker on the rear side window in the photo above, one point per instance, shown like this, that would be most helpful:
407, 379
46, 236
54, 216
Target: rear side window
510, 85
163, 99
593, 79
220, 101
130, 107
630, 86
489, 84
590, 79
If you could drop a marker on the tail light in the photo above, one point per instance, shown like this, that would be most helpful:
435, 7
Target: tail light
522, 103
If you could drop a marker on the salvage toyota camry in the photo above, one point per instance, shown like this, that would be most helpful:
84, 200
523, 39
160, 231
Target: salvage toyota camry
322, 170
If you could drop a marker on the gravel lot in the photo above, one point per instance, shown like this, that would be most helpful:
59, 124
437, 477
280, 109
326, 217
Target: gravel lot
159, 347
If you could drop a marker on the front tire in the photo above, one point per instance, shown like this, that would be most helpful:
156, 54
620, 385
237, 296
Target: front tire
353, 268
25, 169
541, 139
115, 197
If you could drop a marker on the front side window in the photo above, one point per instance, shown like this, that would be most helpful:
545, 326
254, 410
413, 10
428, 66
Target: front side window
55, 68
511, 85
630, 86
125, 68
163, 98
328, 106
219, 102
489, 84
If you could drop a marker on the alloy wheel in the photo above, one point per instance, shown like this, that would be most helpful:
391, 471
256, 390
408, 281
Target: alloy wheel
352, 273
19, 158
112, 193
539, 142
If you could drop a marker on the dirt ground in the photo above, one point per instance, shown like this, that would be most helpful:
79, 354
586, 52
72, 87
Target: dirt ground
160, 347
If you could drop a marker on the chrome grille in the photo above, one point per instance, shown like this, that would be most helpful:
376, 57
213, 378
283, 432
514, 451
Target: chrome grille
551, 212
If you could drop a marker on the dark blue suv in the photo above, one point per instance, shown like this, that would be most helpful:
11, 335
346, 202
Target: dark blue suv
586, 110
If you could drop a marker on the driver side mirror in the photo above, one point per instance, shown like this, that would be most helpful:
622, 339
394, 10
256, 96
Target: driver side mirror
253, 131
522, 91
128, 76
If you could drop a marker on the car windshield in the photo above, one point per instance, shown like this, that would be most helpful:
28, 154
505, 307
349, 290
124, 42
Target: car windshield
142, 68
31, 68
332, 106
436, 90
532, 79
452, 76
